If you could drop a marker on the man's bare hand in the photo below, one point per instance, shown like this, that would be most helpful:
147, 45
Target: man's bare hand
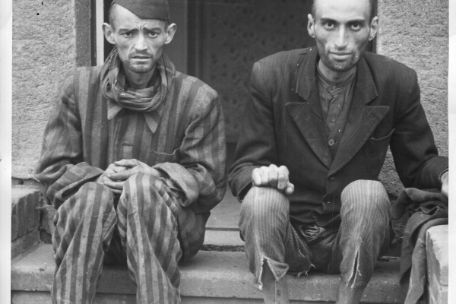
118, 172
444, 179
131, 167
273, 176
105, 178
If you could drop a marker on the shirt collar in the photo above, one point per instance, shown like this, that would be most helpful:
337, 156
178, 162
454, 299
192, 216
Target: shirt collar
151, 118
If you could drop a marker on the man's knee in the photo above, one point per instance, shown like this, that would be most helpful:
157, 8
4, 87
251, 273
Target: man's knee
91, 199
92, 202
142, 184
365, 195
144, 193
264, 202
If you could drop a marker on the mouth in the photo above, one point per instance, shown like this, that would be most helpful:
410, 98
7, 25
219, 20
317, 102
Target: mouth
141, 57
340, 56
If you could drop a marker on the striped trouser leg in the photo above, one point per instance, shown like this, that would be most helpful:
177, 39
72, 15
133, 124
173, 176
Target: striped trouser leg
84, 227
364, 230
269, 237
149, 233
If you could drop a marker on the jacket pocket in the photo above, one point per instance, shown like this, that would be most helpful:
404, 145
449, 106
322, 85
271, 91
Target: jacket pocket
158, 157
382, 138
375, 151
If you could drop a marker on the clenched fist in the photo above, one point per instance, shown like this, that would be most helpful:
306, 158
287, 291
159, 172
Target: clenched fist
273, 176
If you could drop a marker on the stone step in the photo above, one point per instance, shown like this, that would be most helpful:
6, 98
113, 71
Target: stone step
223, 240
226, 214
25, 218
222, 226
210, 277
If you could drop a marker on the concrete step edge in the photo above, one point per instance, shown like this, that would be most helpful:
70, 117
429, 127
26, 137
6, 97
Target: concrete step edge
209, 274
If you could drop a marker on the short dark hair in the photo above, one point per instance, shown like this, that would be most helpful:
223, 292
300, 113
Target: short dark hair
373, 8
111, 17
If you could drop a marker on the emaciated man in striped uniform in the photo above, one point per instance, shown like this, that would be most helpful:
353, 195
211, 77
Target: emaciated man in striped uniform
133, 159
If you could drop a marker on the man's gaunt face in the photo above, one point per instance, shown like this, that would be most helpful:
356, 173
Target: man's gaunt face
140, 42
342, 30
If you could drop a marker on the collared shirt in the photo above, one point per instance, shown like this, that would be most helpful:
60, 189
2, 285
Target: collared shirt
335, 98
87, 132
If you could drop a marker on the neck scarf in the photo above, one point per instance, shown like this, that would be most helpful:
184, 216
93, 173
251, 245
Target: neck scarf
114, 88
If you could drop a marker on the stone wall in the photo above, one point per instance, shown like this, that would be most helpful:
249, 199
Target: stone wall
48, 42
416, 34
44, 49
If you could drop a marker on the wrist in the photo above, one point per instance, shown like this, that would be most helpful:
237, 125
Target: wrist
444, 176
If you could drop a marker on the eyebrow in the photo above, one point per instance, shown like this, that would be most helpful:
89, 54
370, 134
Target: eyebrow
154, 28
359, 20
135, 28
127, 29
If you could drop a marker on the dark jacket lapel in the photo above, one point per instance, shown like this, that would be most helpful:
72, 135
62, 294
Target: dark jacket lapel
306, 111
362, 118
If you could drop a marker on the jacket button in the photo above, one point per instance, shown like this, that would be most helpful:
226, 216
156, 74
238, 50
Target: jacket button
331, 142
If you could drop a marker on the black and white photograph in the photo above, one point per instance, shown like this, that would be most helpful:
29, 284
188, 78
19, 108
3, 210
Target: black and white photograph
227, 151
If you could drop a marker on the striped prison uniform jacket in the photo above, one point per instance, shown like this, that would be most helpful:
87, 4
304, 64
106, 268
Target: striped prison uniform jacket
158, 220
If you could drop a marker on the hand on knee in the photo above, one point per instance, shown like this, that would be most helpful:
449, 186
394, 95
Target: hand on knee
274, 177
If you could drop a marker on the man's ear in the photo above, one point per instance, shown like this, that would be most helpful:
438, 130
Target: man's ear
108, 32
311, 25
170, 31
373, 28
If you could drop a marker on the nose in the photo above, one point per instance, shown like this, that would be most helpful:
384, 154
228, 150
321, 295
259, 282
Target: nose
140, 44
341, 38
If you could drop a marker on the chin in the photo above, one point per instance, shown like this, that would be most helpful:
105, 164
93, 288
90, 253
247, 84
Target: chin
342, 67
141, 69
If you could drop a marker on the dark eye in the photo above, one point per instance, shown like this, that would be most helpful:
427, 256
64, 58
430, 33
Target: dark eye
127, 34
355, 26
329, 25
153, 34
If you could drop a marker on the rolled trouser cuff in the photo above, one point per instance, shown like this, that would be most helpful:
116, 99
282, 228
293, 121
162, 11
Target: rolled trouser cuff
364, 231
263, 224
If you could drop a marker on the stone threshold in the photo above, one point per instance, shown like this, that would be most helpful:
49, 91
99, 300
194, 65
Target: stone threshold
210, 277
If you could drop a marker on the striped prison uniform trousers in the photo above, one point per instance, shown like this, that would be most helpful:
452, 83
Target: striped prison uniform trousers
352, 250
149, 223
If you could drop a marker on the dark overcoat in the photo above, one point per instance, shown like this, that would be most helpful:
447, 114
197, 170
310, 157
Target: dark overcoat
283, 125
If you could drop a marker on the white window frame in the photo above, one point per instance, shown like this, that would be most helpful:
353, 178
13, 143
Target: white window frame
99, 20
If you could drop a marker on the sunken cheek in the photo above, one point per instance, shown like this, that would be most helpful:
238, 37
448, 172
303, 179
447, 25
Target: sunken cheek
328, 40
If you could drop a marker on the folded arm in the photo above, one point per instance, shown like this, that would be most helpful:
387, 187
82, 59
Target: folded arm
256, 153
412, 144
199, 172
61, 169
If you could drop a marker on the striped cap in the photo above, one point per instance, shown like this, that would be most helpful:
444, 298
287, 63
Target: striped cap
146, 9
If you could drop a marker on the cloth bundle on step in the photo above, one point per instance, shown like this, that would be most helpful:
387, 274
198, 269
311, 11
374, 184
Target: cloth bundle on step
425, 208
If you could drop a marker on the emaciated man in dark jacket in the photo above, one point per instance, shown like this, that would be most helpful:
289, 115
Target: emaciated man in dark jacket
317, 128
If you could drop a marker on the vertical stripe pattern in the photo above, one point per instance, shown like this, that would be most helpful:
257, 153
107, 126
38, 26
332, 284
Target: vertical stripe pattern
84, 226
364, 230
148, 231
190, 134
147, 216
159, 220
268, 235
352, 250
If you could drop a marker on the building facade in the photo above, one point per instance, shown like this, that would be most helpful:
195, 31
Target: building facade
217, 41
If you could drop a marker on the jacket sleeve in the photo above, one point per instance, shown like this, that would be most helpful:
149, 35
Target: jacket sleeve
256, 144
200, 172
61, 170
412, 144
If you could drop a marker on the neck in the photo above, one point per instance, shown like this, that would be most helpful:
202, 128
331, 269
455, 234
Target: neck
335, 76
139, 80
